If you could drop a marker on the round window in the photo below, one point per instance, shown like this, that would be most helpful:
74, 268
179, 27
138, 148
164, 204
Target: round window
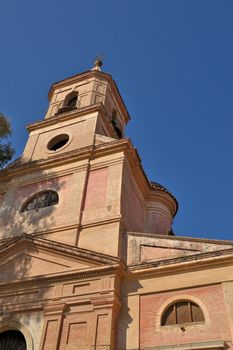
58, 142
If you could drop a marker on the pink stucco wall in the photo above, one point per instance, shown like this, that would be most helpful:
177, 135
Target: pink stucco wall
158, 221
132, 207
65, 213
29, 190
96, 189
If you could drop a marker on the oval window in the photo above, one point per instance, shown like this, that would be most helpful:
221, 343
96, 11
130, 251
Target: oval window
58, 142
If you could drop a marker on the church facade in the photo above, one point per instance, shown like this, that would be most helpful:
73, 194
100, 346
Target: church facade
88, 258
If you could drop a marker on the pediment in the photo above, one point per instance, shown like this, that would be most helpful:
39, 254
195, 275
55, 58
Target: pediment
162, 252
149, 247
27, 257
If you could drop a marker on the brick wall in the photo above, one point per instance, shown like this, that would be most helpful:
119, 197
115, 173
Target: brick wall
211, 301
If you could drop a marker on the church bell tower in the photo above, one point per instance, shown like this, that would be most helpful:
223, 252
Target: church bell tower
88, 259
67, 206
85, 185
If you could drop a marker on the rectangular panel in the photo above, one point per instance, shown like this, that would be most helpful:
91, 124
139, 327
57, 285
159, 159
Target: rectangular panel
103, 329
77, 336
50, 335
81, 288
96, 189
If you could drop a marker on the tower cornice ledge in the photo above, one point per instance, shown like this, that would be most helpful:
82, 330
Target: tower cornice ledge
97, 107
69, 157
90, 153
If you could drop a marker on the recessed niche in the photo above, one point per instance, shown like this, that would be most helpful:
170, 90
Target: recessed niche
58, 142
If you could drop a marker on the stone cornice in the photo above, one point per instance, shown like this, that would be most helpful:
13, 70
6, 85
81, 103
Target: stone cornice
57, 308
58, 278
14, 244
56, 230
106, 264
110, 265
115, 218
189, 262
181, 238
42, 176
211, 345
66, 116
89, 152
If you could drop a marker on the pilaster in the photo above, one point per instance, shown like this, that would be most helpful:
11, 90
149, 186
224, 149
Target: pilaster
54, 315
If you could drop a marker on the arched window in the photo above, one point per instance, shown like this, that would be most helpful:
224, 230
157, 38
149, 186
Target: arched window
116, 124
70, 103
182, 312
12, 340
41, 200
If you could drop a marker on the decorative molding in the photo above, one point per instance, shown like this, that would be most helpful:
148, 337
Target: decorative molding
116, 218
47, 280
54, 161
180, 238
14, 244
212, 345
188, 262
55, 308
54, 120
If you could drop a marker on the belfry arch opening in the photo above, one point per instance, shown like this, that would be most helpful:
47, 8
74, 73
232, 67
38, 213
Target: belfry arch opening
70, 103
12, 340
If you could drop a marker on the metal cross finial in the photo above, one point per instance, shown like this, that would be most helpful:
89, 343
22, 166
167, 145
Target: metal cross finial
98, 63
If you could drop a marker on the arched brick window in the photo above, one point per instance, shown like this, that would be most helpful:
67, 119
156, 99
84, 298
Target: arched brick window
182, 312
41, 200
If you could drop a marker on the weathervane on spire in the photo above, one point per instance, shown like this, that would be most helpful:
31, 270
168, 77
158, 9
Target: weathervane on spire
98, 63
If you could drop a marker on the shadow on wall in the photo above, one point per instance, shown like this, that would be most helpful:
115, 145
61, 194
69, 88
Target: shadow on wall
19, 255
128, 313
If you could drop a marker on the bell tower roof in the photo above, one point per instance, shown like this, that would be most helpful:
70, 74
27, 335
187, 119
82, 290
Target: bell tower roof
84, 78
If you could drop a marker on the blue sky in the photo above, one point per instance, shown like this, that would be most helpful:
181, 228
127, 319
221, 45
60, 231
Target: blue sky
172, 61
